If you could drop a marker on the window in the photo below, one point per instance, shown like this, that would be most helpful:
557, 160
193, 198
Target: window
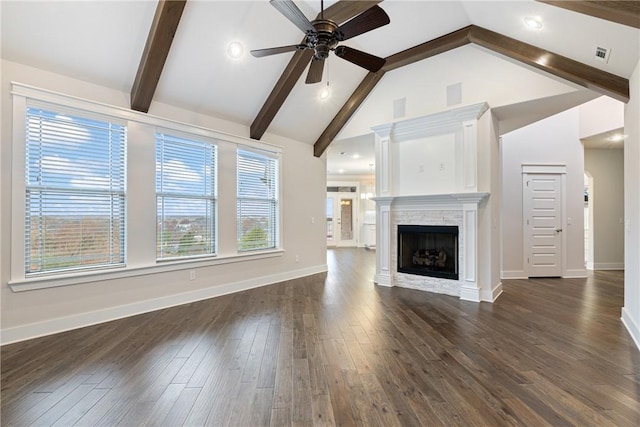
186, 197
257, 202
75, 192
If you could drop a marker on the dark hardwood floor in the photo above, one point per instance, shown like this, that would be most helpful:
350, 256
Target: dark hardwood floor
342, 351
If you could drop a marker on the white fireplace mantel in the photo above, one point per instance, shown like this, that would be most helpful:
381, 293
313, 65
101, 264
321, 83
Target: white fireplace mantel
432, 200
439, 155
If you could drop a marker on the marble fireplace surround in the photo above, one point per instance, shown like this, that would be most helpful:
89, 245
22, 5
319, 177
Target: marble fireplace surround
451, 192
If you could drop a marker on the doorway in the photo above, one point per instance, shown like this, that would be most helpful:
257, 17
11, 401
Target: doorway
588, 221
543, 207
342, 216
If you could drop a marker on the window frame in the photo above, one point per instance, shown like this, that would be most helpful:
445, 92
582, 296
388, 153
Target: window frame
277, 200
139, 263
190, 138
86, 191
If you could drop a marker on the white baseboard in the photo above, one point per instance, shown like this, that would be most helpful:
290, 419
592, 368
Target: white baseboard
382, 280
632, 326
493, 294
513, 274
579, 273
61, 324
608, 266
470, 293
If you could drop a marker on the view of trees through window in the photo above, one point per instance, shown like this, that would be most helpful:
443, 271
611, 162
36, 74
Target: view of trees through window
186, 196
75, 201
257, 202
75, 206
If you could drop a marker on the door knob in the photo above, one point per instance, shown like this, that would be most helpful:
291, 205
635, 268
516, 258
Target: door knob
558, 230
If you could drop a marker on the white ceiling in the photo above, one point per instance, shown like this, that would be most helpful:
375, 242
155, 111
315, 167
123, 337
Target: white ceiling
102, 42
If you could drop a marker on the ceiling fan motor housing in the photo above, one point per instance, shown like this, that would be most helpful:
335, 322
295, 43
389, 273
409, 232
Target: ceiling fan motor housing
323, 40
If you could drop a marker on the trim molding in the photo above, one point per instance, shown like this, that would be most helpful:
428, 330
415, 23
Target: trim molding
632, 326
469, 292
513, 274
607, 265
492, 295
62, 324
579, 273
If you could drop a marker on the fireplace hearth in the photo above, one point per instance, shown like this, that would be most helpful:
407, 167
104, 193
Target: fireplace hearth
428, 250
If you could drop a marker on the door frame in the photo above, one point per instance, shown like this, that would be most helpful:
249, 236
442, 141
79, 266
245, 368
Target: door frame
356, 208
547, 169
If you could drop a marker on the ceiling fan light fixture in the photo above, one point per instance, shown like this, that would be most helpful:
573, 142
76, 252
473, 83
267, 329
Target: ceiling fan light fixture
325, 92
235, 50
533, 22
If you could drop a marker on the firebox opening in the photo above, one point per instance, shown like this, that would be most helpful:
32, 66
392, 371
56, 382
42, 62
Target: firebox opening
428, 250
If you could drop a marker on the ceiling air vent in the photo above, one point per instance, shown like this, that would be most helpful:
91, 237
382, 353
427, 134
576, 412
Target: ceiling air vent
602, 53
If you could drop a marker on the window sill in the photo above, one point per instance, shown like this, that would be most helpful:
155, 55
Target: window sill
55, 281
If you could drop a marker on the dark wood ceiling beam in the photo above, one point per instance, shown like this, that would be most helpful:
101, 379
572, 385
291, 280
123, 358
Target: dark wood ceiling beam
622, 12
428, 49
582, 74
346, 112
338, 12
163, 29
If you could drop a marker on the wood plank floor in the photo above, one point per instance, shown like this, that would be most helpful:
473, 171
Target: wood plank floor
341, 351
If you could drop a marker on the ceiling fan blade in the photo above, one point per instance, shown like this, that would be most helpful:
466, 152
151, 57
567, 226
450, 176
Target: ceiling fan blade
362, 59
289, 9
315, 71
370, 19
259, 53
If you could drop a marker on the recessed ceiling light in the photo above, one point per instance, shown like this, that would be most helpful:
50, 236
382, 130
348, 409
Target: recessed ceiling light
533, 22
235, 50
355, 156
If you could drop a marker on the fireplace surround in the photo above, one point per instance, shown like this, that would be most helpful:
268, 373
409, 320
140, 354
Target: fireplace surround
436, 170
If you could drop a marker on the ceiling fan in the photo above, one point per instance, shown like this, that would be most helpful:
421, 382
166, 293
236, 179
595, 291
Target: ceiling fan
323, 36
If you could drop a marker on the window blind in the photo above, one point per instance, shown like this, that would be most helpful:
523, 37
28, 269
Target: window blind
186, 197
257, 200
75, 192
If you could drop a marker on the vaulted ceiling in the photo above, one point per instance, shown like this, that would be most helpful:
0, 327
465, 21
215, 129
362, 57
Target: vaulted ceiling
174, 52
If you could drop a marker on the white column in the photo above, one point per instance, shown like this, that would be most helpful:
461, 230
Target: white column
383, 241
469, 290
384, 161
470, 155
384, 191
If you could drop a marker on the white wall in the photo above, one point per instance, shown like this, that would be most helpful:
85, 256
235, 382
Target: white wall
550, 141
484, 75
426, 165
600, 115
607, 196
631, 309
39, 312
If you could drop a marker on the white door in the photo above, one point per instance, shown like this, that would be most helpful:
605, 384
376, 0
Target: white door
543, 224
341, 219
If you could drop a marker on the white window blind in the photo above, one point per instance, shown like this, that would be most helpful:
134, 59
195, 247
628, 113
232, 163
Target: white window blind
75, 192
186, 197
258, 207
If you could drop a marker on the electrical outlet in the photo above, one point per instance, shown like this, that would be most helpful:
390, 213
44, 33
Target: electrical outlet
313, 220
441, 166
297, 258
192, 275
